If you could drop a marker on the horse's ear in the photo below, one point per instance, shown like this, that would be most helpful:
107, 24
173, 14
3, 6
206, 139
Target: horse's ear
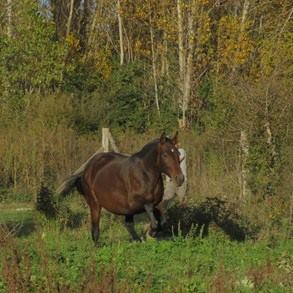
163, 138
175, 138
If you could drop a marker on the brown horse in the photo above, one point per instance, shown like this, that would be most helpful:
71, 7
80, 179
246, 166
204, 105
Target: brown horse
127, 185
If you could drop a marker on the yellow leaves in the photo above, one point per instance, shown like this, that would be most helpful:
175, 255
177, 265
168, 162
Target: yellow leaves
101, 60
72, 42
234, 43
103, 63
203, 2
141, 49
204, 30
277, 52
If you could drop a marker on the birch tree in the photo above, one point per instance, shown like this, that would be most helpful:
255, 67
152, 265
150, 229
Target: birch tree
188, 71
9, 18
193, 25
69, 18
154, 66
120, 27
244, 145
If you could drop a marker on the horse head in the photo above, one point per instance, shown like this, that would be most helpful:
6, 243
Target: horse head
169, 158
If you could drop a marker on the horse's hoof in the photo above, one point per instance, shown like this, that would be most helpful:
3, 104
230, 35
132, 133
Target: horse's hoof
150, 237
149, 233
154, 226
146, 228
136, 239
183, 205
97, 244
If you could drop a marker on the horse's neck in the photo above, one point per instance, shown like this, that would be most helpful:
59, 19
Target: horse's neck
148, 155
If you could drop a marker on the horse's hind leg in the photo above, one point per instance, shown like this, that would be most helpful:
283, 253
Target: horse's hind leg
129, 224
159, 217
95, 218
95, 209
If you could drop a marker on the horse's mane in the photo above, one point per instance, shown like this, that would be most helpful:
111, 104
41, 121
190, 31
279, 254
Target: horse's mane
149, 147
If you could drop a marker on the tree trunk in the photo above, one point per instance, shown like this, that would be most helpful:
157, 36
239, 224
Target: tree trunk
9, 18
188, 64
180, 43
244, 145
154, 66
120, 32
244, 14
242, 27
84, 29
60, 15
92, 29
270, 140
164, 58
129, 47
69, 18
244, 153
181, 56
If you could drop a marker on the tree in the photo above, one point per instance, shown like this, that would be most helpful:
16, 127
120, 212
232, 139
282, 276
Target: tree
120, 32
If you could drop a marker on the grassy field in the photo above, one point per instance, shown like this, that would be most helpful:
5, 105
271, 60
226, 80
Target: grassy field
42, 255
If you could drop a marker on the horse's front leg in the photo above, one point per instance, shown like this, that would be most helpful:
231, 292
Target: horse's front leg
149, 208
160, 214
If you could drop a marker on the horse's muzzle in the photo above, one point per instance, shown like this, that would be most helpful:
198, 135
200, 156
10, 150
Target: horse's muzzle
179, 179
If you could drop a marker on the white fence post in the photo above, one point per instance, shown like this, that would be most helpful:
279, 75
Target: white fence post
105, 139
108, 141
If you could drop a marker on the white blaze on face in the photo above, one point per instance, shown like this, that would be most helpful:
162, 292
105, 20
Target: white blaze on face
182, 158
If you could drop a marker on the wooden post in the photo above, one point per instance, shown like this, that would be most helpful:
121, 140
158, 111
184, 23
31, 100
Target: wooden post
105, 139
108, 141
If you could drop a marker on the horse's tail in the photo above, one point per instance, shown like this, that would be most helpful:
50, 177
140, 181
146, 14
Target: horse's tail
70, 183
74, 180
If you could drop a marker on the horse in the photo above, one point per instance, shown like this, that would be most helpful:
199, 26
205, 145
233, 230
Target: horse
127, 184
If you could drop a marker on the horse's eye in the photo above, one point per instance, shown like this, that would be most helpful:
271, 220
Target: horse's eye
165, 155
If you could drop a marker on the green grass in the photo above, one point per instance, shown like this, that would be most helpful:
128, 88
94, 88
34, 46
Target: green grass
11, 215
52, 257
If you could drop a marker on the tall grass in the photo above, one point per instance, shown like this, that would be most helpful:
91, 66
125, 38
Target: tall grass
41, 147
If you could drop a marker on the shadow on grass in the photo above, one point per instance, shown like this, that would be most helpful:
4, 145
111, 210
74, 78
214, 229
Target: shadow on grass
19, 229
22, 228
197, 219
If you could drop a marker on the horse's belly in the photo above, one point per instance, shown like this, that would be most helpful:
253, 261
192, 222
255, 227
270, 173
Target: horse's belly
119, 202
111, 197
126, 210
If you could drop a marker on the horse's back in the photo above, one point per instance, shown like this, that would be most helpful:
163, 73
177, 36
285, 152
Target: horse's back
99, 161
